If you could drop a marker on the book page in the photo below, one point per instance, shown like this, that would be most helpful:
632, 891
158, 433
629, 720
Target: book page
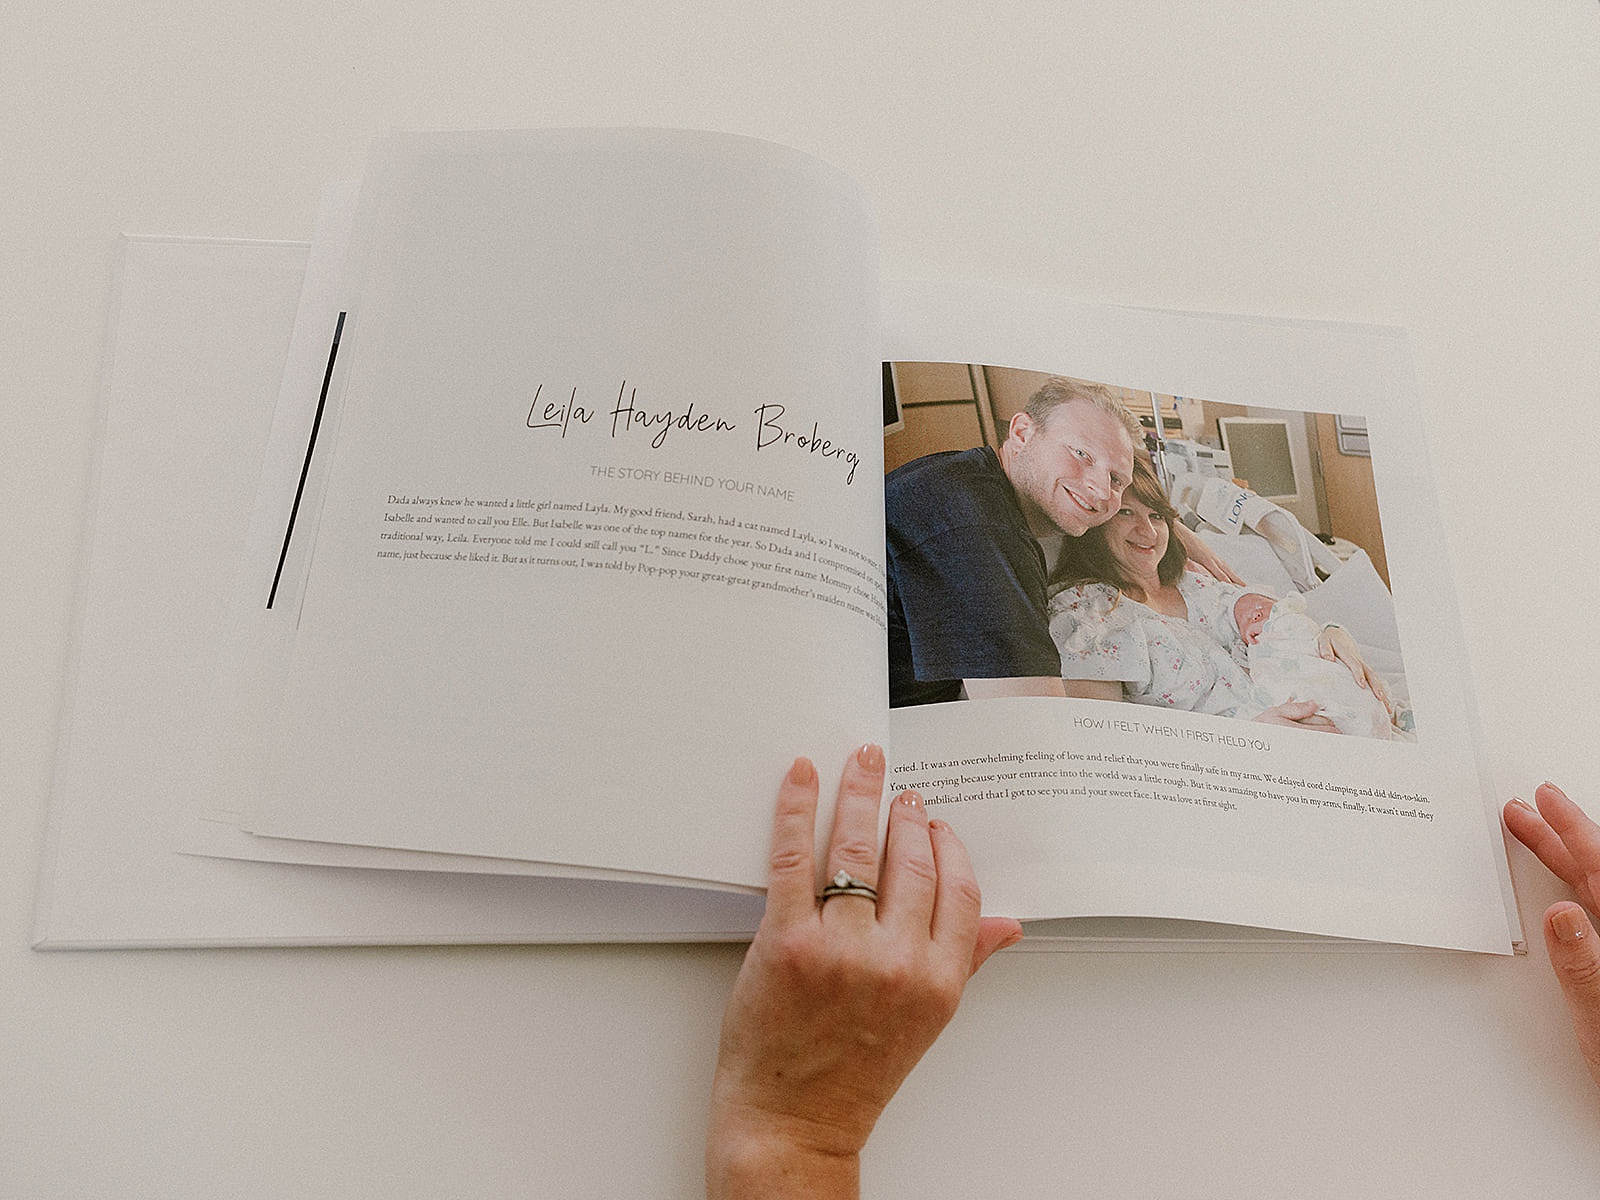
257, 635
600, 548
1169, 802
197, 339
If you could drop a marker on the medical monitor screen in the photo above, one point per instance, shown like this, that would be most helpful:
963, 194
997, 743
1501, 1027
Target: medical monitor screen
1259, 449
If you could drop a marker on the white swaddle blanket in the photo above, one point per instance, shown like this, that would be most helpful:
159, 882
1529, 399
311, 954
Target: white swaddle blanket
1284, 666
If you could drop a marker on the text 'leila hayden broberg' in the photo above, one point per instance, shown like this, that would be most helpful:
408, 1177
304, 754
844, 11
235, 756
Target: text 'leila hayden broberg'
627, 416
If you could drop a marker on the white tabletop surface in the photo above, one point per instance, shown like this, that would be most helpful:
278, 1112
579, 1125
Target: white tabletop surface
1413, 162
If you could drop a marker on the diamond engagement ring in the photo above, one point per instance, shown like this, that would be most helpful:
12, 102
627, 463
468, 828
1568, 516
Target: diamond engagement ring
845, 884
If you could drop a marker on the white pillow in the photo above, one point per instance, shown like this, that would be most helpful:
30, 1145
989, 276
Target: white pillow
1354, 596
1252, 559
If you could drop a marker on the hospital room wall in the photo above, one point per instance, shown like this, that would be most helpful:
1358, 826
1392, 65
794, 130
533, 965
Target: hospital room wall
1346, 497
1352, 495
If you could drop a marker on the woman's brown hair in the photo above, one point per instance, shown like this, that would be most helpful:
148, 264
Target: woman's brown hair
1087, 558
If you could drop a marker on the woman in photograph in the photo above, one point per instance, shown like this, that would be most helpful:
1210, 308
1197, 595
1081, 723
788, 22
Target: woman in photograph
1132, 623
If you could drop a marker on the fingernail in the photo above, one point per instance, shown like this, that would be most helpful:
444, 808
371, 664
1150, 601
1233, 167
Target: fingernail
909, 799
1522, 804
802, 772
870, 756
1011, 940
941, 826
1569, 925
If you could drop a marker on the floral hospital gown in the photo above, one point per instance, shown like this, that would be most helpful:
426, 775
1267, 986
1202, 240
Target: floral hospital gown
1103, 634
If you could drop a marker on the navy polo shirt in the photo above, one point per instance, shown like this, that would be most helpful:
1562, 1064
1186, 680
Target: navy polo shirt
966, 579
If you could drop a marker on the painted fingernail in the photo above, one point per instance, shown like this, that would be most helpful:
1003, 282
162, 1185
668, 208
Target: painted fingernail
1569, 925
941, 826
802, 772
909, 799
870, 756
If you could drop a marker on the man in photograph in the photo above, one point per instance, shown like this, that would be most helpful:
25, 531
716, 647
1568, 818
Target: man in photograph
966, 572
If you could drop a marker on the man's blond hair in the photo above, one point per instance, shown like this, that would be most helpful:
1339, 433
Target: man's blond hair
1059, 390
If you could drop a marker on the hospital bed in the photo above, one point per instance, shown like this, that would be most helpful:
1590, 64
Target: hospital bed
1272, 552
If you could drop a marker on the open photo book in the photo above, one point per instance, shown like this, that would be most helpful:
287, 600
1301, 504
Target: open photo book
508, 543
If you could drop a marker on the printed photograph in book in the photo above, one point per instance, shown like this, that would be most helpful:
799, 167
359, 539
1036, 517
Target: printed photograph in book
1057, 536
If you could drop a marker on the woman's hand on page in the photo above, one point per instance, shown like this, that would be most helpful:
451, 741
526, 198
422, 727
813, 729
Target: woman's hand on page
1568, 842
838, 999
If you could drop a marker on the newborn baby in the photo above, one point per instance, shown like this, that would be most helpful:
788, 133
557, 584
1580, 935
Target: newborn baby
1281, 652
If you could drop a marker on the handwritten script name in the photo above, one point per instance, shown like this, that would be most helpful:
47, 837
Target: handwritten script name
628, 417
